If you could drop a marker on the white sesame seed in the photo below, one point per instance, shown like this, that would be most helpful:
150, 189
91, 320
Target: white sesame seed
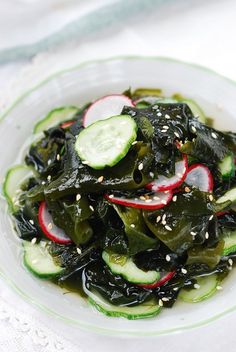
187, 189
111, 195
91, 207
166, 192
78, 250
85, 162
135, 142
167, 116
148, 200
49, 161
156, 198
218, 287
164, 202
214, 135
211, 217
179, 117
166, 127
151, 174
176, 134
197, 286
184, 271
33, 241
31, 221
50, 226
159, 114
230, 261
49, 177
168, 228
78, 197
160, 302
158, 219
155, 107
142, 198
168, 258
43, 182
174, 198
132, 225
163, 222
207, 235
140, 167
165, 299
193, 233
58, 157
164, 217
175, 289
100, 179
193, 129
164, 131
211, 197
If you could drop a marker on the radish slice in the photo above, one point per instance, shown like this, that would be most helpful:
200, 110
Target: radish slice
200, 177
50, 230
105, 107
160, 282
156, 201
67, 124
163, 183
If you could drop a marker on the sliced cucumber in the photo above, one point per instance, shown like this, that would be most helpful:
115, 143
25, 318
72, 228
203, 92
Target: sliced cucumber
229, 196
227, 166
106, 142
14, 179
229, 242
38, 260
55, 117
196, 110
145, 310
207, 287
124, 266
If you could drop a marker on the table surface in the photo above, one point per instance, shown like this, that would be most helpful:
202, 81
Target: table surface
194, 31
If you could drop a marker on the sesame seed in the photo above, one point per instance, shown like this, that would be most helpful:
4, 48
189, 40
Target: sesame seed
166, 192
33, 241
151, 174
174, 198
163, 222
50, 226
175, 289
156, 198
193, 233
49, 161
164, 202
155, 107
197, 286
158, 219
132, 225
78, 197
148, 200
168, 228
43, 182
100, 179
218, 287
230, 261
214, 135
159, 114
49, 177
58, 157
193, 129
142, 198
211, 197
211, 217
168, 258
176, 134
91, 207
163, 130
78, 250
135, 142
184, 271
160, 302
167, 116
179, 117
166, 127
85, 162
111, 195
187, 189
140, 167
31, 221
164, 217
165, 299
207, 235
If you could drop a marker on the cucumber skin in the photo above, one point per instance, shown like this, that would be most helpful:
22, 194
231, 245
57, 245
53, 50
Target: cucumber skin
37, 128
229, 250
230, 173
127, 315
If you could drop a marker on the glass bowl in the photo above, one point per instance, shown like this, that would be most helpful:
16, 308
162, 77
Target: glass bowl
76, 86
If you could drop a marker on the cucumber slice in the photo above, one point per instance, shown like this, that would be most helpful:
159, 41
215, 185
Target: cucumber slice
38, 260
196, 110
106, 142
14, 179
55, 117
207, 287
124, 266
227, 166
145, 310
229, 242
229, 196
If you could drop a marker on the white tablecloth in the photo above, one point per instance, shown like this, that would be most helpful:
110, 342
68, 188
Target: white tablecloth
196, 31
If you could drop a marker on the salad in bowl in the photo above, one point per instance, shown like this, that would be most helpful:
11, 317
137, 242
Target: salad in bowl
128, 201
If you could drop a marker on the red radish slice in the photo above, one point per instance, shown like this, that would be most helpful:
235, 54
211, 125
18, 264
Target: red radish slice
67, 124
221, 213
200, 177
156, 201
105, 107
160, 282
50, 230
163, 183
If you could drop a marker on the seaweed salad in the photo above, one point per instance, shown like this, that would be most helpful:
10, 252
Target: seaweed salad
128, 201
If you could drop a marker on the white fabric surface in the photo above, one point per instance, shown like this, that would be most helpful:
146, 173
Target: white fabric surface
196, 31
